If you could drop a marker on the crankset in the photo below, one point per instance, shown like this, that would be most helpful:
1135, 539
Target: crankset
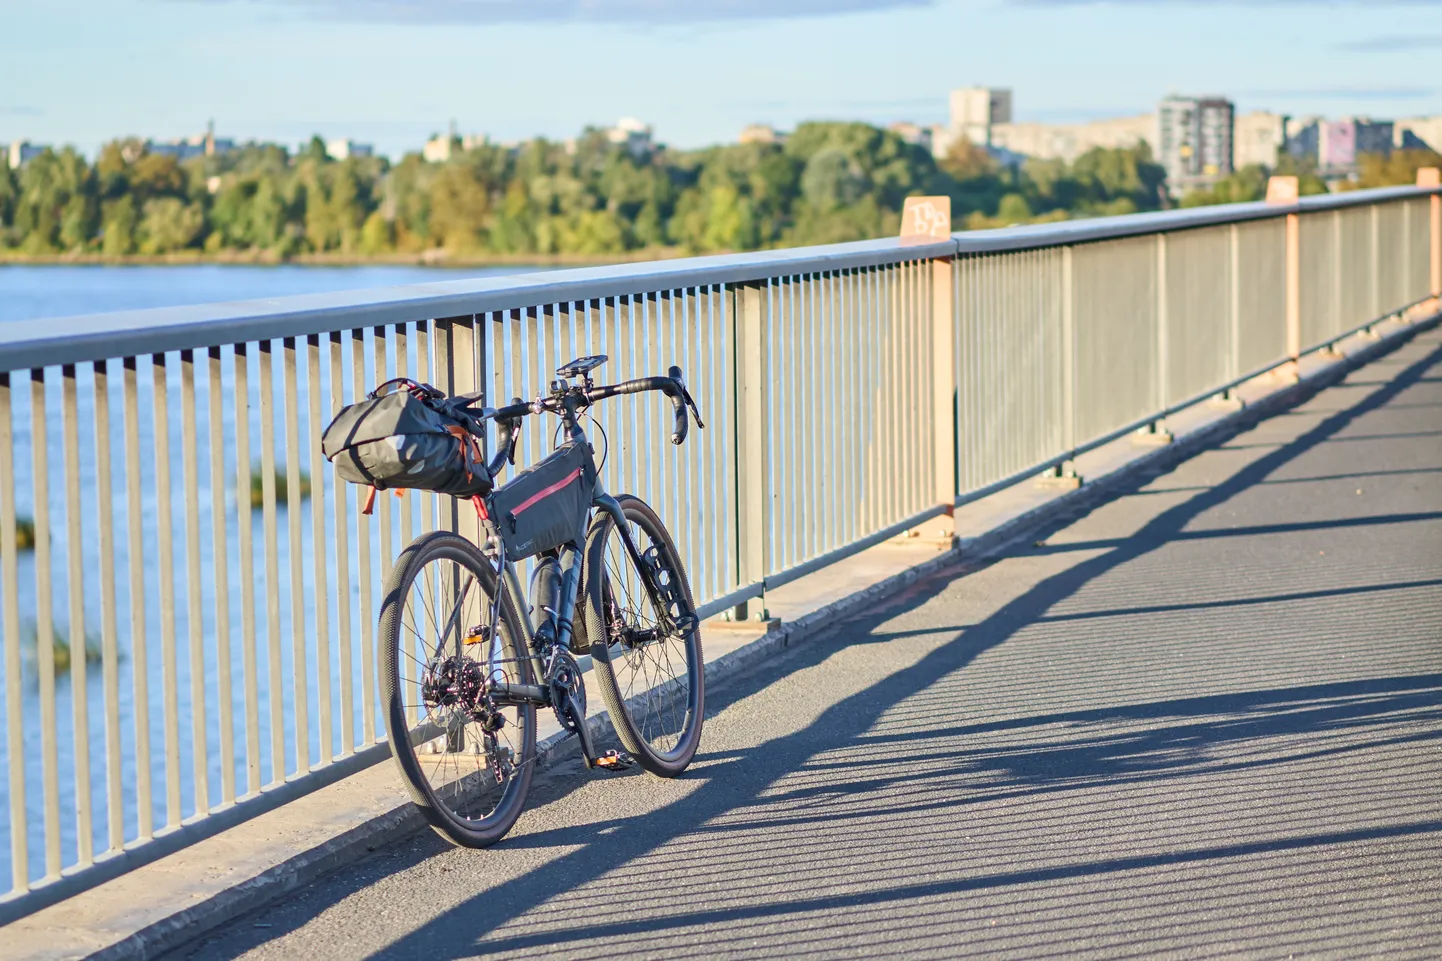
568, 699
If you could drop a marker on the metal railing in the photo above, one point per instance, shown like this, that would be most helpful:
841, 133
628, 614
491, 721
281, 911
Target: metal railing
187, 595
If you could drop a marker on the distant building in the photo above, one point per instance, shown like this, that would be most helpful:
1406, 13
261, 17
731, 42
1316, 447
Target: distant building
976, 110
346, 148
1069, 141
1303, 135
1259, 137
1418, 133
1341, 143
632, 134
761, 133
438, 149
913, 133
22, 152
1195, 140
186, 148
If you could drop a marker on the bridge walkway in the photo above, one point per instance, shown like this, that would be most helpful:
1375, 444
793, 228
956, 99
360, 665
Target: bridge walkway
1203, 719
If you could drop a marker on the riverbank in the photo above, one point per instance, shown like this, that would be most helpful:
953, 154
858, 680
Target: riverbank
435, 257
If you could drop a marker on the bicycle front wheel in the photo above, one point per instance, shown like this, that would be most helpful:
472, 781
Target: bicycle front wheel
465, 758
651, 678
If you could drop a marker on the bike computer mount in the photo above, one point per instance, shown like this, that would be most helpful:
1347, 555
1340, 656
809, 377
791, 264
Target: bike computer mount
581, 366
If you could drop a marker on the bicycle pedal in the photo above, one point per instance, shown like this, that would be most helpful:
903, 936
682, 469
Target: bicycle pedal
615, 761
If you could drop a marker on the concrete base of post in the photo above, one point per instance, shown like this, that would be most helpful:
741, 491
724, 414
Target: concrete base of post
1062, 477
1226, 400
1153, 435
750, 612
727, 624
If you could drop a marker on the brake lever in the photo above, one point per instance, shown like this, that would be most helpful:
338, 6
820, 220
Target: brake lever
686, 396
675, 374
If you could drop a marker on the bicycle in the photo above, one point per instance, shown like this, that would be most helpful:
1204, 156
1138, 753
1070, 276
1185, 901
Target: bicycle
463, 668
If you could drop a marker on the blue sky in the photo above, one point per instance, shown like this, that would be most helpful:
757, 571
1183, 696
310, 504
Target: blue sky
394, 71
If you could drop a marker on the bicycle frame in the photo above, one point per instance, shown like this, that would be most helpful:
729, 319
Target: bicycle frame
563, 618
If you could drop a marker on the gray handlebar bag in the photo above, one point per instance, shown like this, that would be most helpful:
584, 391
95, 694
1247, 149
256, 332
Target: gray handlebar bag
398, 440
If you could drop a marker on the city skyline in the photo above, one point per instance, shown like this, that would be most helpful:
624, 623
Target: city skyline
276, 71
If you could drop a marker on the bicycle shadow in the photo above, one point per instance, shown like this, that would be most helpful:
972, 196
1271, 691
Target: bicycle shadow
1159, 755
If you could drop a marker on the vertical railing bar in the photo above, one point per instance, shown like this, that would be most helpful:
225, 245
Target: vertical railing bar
1163, 361
363, 560
295, 552
814, 431
406, 499
719, 385
14, 690
44, 624
694, 484
320, 590
225, 691
135, 566
75, 589
423, 374
851, 387
344, 640
1234, 362
275, 693
200, 760
166, 549
109, 633
380, 348
245, 556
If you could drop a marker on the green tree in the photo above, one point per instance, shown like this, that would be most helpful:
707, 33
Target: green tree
169, 224
118, 227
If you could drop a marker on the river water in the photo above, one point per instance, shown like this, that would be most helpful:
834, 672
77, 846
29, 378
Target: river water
63, 290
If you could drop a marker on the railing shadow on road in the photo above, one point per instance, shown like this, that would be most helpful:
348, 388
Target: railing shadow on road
733, 784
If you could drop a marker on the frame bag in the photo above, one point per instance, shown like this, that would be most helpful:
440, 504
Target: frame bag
406, 438
545, 505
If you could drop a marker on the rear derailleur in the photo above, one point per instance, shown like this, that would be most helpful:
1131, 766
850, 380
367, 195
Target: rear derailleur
459, 684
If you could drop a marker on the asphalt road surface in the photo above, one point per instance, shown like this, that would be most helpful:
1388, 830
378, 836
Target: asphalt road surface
1202, 720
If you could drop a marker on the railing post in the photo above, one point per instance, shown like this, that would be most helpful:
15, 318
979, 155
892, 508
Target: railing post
943, 374
1064, 474
456, 363
748, 319
1435, 236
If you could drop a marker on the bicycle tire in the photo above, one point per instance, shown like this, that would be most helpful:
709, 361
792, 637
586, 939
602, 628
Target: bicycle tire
445, 806
661, 740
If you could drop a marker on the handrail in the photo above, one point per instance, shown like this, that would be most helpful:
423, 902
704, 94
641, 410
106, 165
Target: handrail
68, 340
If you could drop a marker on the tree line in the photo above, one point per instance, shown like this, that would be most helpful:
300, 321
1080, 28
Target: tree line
826, 183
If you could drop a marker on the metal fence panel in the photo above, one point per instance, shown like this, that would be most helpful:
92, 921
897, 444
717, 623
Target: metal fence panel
1419, 246
1261, 259
1321, 278
1356, 268
1198, 311
1114, 296
1008, 363
1393, 287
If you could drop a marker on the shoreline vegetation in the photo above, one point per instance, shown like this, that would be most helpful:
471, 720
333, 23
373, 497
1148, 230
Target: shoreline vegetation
580, 202
540, 202
435, 257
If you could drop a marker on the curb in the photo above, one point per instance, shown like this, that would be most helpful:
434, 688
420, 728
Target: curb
193, 923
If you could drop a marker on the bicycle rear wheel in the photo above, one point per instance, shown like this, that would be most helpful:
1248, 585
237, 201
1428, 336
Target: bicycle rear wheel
465, 759
652, 679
